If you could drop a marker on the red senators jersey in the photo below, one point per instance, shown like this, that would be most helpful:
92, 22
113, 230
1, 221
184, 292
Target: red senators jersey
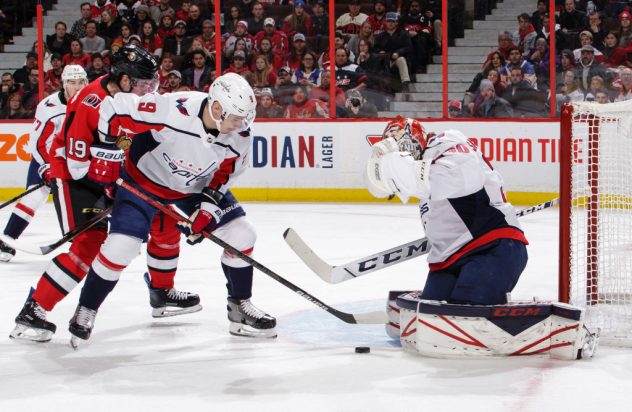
70, 151
49, 118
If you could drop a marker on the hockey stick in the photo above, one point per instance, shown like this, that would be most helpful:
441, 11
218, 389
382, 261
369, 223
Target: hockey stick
359, 318
377, 261
49, 247
21, 195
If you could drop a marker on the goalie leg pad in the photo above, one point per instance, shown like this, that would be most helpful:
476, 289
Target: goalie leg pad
442, 330
392, 311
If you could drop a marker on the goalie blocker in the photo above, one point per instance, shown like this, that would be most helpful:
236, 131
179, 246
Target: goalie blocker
442, 330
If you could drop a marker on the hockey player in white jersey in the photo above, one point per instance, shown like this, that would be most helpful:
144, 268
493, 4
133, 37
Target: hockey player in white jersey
477, 254
49, 117
477, 248
187, 151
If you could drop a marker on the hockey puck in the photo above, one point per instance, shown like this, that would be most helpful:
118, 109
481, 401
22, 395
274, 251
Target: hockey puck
362, 349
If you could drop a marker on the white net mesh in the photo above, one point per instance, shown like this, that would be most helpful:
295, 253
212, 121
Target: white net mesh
601, 216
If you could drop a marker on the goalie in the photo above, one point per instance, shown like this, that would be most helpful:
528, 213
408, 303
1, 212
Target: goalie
477, 248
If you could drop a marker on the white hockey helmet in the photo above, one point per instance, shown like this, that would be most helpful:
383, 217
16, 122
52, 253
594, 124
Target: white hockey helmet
73, 72
235, 96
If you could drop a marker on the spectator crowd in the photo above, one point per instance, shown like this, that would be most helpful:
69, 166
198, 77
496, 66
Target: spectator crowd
282, 47
593, 61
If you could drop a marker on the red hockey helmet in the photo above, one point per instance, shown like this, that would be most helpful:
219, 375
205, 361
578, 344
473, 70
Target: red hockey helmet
409, 134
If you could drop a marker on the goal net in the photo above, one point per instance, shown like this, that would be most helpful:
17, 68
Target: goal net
596, 215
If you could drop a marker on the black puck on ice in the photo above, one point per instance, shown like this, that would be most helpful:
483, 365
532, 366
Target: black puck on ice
362, 349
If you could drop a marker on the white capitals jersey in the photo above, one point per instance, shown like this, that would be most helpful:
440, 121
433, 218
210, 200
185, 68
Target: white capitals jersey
172, 154
462, 203
49, 118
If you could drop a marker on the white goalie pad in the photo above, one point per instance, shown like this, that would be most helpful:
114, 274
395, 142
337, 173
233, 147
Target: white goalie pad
443, 330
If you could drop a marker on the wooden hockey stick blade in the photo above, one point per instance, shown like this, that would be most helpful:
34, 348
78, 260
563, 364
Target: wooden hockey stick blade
46, 248
379, 317
377, 261
360, 267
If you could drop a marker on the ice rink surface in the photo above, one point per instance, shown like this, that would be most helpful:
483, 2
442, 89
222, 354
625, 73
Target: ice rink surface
191, 363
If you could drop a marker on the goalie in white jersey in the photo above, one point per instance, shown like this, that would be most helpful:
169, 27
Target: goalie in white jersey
477, 254
187, 151
49, 118
477, 248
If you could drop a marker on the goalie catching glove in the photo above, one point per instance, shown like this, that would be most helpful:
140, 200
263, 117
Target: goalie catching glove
207, 216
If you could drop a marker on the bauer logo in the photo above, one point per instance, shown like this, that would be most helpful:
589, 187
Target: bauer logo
291, 152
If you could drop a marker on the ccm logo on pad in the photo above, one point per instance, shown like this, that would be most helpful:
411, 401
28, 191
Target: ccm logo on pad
520, 311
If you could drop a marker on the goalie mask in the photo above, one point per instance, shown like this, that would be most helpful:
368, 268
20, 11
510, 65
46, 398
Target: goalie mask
409, 135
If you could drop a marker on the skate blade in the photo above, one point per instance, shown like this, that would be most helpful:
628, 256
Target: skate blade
74, 342
27, 333
169, 311
5, 257
239, 329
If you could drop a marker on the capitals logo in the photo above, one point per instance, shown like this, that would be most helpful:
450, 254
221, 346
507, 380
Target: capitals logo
180, 106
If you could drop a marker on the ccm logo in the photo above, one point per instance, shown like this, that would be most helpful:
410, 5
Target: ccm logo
8, 141
394, 256
524, 311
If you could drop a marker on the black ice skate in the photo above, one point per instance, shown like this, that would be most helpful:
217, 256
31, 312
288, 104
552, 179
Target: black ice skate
247, 320
171, 302
81, 324
31, 323
6, 252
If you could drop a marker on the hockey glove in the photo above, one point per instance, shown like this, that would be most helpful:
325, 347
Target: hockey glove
105, 164
207, 216
44, 173
384, 146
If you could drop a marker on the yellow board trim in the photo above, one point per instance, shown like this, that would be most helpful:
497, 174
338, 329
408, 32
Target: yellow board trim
327, 195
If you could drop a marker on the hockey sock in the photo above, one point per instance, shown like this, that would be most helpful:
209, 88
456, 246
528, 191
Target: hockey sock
162, 263
16, 224
95, 290
62, 275
163, 250
239, 283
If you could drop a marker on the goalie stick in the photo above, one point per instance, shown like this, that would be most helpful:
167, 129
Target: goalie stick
49, 247
376, 261
21, 195
358, 318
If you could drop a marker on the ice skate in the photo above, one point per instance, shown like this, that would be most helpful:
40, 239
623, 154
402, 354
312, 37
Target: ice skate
171, 302
81, 324
31, 323
6, 252
247, 320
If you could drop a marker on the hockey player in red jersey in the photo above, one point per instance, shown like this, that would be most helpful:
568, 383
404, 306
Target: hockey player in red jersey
49, 117
188, 150
83, 172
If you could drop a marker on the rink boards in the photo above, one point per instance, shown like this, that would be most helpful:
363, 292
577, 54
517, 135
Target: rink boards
325, 161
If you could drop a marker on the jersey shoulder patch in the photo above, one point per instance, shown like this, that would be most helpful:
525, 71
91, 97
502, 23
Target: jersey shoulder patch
92, 100
180, 105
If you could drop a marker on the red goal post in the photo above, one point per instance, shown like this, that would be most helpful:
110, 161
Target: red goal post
595, 248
